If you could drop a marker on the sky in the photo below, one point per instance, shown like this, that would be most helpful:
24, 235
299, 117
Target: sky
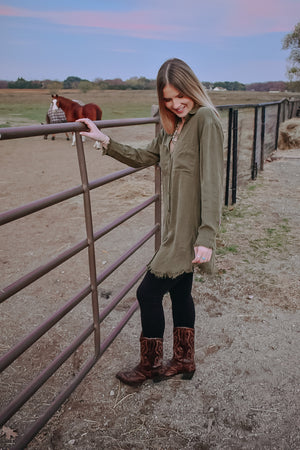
222, 40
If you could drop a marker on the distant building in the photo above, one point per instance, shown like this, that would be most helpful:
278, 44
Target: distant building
218, 88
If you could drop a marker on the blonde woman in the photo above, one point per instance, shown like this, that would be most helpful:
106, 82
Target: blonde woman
189, 150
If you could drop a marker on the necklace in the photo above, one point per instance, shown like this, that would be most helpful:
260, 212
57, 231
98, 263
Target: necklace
176, 133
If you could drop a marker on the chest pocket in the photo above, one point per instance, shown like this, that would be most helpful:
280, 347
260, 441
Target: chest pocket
186, 159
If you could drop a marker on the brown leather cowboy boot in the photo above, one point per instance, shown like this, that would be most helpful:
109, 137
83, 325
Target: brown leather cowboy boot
150, 365
183, 354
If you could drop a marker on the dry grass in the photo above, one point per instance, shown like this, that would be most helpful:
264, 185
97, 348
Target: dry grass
21, 106
289, 137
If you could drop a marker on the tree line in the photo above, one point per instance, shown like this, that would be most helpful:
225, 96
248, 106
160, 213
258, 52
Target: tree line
136, 83
73, 82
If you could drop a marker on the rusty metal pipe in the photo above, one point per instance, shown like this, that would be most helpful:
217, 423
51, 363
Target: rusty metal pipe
106, 343
31, 338
38, 205
23, 396
121, 294
35, 384
37, 273
90, 238
34, 275
126, 255
51, 410
40, 130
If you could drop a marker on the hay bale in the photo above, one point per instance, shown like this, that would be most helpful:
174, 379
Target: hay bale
289, 134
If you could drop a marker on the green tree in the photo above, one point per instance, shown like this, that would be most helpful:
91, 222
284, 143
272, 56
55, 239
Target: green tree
21, 83
71, 82
54, 87
85, 85
100, 83
292, 42
139, 83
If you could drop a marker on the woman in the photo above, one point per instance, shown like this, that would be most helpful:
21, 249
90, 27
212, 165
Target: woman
189, 150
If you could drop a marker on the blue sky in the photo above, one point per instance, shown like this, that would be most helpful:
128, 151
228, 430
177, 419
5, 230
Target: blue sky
222, 40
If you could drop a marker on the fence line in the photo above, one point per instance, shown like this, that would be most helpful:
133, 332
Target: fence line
264, 139
258, 153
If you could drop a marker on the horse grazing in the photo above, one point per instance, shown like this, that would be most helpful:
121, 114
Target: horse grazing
74, 110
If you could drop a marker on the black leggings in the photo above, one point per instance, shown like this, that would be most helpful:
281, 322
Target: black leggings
150, 295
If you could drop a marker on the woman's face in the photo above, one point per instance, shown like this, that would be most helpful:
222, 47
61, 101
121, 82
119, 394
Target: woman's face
176, 102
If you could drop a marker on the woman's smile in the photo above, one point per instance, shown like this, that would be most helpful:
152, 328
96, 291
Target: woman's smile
176, 102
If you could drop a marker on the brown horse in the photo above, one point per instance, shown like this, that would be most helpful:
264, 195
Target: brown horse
73, 110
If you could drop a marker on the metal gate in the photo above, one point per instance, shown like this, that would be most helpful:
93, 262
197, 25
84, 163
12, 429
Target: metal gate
91, 289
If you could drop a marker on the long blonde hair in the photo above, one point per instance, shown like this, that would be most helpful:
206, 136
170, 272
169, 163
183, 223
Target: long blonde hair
177, 73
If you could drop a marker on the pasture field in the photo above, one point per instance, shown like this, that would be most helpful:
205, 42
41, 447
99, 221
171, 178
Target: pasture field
29, 106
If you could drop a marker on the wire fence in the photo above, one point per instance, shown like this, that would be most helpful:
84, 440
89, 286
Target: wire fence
251, 136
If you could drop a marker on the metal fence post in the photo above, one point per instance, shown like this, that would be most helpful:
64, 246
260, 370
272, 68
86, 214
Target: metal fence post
262, 136
228, 156
254, 163
277, 125
91, 242
284, 109
234, 154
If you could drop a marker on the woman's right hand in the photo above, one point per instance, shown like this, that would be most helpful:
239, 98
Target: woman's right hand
94, 132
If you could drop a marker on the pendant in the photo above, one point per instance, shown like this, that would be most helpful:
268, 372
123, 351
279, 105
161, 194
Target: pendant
175, 134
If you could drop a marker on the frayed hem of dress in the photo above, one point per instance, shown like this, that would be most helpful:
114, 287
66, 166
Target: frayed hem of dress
167, 274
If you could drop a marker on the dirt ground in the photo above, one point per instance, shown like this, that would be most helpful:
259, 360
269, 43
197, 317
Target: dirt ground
245, 393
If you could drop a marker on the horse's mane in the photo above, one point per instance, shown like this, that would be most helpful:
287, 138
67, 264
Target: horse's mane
67, 100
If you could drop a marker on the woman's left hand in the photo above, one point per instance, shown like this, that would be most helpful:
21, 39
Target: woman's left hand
202, 255
94, 132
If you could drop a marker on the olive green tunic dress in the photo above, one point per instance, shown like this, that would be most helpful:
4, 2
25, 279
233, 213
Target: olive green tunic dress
192, 181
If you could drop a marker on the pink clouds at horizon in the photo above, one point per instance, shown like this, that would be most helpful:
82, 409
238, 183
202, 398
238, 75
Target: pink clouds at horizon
267, 16
218, 19
136, 24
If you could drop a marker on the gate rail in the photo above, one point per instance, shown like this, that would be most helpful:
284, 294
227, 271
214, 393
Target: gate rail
95, 279
285, 109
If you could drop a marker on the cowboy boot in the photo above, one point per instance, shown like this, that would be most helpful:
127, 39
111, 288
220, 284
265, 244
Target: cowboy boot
183, 354
150, 365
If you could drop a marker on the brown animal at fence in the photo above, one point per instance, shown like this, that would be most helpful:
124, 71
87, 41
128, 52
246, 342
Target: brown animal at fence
73, 110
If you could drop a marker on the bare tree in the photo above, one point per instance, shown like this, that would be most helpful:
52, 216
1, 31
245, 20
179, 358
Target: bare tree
292, 42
